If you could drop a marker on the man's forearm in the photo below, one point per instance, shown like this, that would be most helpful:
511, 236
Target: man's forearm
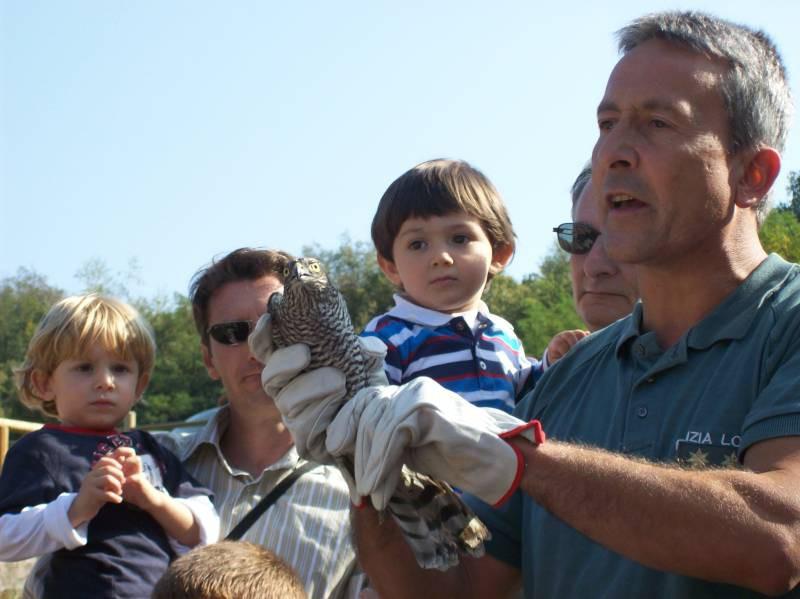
652, 513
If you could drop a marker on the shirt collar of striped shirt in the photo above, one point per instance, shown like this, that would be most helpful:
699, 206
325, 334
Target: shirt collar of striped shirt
416, 314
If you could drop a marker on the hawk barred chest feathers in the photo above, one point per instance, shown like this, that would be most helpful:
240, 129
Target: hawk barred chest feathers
312, 311
435, 522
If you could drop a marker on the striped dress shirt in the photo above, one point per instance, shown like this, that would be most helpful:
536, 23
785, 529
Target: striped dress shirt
475, 355
308, 526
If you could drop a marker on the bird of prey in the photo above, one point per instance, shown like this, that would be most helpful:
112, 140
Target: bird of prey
436, 523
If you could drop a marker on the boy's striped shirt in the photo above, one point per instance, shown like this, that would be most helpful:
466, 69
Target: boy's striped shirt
475, 355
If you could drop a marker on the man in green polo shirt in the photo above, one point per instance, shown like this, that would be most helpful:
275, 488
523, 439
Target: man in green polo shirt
672, 467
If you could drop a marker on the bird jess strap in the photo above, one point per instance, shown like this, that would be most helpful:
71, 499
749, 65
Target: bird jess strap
270, 498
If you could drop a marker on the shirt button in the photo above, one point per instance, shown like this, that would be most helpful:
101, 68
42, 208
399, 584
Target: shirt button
651, 380
641, 350
641, 412
482, 364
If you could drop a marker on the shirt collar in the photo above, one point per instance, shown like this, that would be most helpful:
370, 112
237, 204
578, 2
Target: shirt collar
416, 314
632, 327
211, 434
732, 318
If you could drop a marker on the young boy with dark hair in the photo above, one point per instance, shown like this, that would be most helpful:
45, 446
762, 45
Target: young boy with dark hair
442, 232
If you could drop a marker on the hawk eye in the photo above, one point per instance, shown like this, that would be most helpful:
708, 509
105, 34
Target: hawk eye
313, 267
286, 272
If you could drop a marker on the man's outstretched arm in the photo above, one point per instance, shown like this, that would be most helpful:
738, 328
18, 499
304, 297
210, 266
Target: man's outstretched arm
735, 526
394, 573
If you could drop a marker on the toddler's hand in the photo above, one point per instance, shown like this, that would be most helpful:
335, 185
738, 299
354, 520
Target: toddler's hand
562, 343
103, 484
136, 487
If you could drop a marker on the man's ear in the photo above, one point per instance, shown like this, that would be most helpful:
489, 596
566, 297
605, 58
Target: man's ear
501, 256
389, 268
758, 176
42, 384
208, 361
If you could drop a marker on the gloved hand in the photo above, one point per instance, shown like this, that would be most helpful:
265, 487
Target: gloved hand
307, 402
432, 431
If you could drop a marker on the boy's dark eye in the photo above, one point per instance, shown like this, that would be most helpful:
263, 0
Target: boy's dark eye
460, 239
120, 368
83, 367
416, 245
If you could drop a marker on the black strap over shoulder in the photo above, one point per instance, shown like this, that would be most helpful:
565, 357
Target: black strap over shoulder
262, 506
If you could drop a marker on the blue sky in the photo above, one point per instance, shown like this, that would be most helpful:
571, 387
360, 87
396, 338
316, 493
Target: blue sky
170, 132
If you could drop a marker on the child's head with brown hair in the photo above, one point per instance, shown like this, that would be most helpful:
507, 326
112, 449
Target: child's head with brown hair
432, 219
229, 570
71, 330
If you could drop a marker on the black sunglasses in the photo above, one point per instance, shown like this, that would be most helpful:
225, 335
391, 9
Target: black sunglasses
576, 238
231, 333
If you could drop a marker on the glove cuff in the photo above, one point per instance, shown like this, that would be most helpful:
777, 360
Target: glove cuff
532, 431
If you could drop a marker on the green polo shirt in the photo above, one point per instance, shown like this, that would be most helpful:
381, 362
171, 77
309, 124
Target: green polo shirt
731, 381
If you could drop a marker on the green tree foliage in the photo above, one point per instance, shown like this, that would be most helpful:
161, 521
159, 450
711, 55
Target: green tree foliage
793, 189
24, 299
180, 385
780, 233
538, 307
354, 269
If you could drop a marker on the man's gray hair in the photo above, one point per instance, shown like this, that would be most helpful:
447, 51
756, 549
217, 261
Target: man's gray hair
755, 90
580, 183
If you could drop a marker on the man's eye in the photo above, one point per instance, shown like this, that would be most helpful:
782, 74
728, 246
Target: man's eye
605, 124
658, 123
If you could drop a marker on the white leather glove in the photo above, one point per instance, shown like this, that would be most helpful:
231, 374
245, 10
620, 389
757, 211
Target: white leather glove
432, 431
307, 402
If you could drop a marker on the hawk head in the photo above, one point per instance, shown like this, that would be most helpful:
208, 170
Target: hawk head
305, 272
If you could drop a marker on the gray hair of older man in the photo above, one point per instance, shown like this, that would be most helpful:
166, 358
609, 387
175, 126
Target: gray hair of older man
580, 184
755, 90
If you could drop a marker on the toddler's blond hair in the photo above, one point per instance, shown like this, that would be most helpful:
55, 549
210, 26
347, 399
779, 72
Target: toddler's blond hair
70, 327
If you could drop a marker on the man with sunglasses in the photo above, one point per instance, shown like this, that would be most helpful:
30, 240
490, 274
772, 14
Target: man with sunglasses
672, 466
603, 290
245, 451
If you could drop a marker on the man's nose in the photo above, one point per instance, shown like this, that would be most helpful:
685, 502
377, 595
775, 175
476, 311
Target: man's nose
616, 148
